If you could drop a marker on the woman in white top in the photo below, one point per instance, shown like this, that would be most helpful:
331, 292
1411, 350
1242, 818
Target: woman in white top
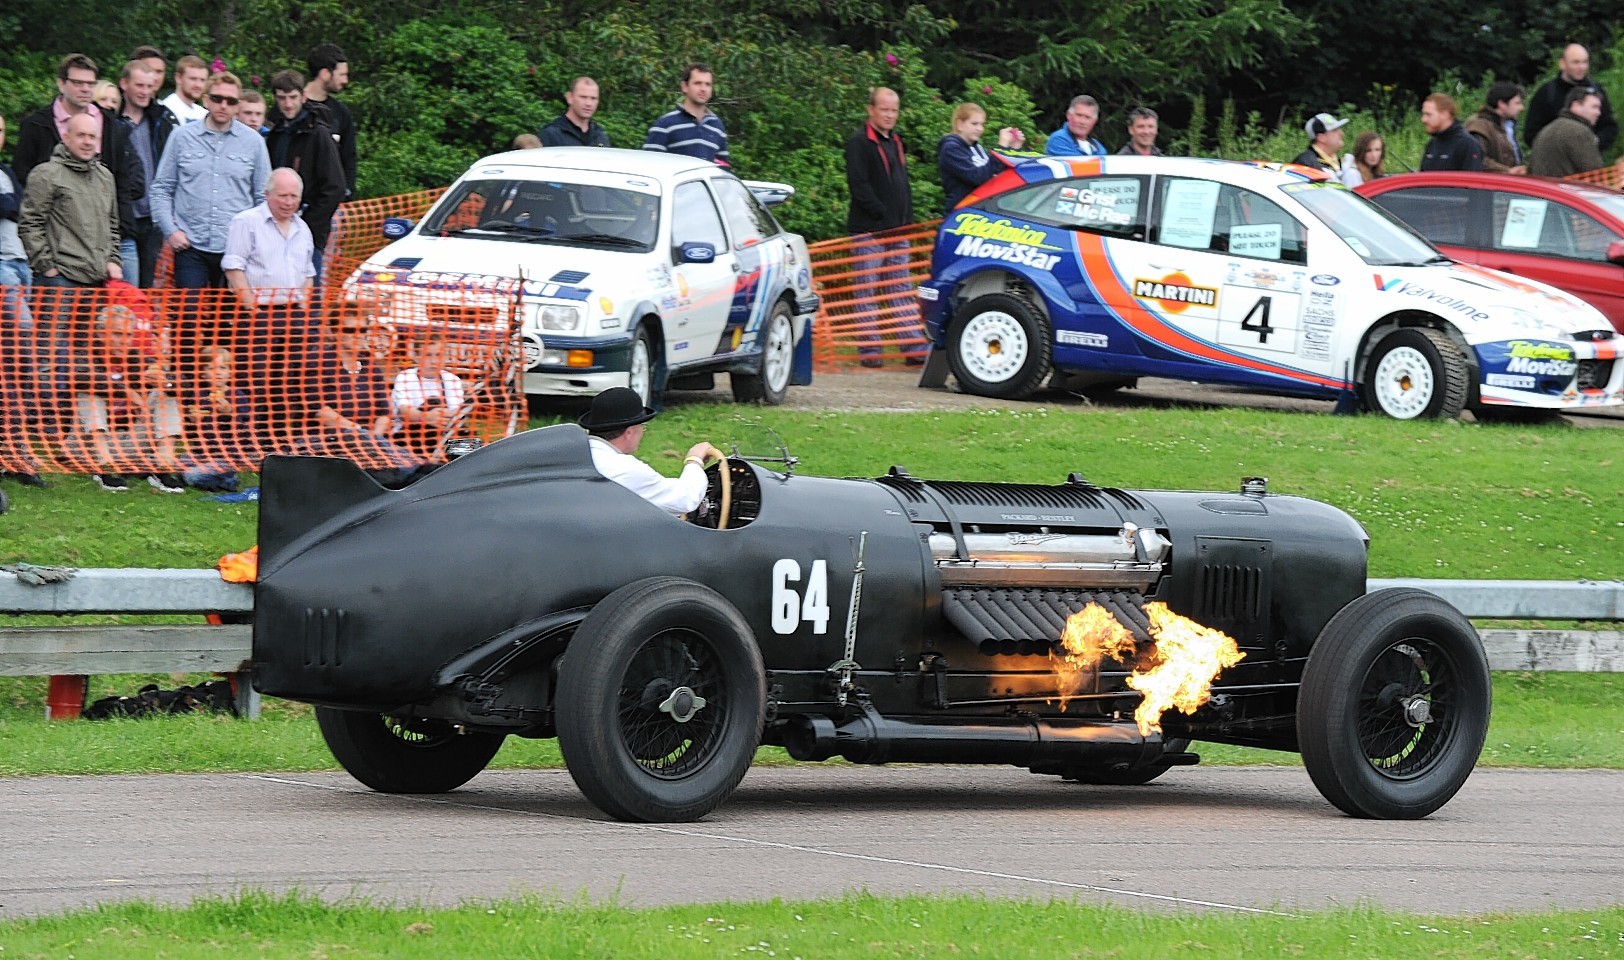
426, 398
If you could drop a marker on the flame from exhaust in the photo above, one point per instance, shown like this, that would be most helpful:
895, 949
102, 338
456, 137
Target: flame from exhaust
1176, 673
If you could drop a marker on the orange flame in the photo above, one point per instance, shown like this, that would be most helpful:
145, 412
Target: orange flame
1177, 673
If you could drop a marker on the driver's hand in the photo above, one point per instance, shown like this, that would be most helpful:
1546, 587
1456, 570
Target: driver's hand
703, 451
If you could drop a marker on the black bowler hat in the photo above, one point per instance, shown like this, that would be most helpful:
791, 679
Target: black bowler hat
615, 409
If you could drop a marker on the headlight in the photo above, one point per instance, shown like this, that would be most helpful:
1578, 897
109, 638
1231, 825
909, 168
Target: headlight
566, 319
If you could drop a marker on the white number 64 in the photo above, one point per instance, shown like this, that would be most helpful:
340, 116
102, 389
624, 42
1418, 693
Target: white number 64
791, 608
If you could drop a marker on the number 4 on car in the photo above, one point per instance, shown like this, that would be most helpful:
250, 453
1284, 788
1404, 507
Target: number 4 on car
1097, 272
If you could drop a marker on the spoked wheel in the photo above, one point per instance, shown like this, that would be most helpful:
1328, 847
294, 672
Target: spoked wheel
1416, 373
1394, 705
402, 755
770, 383
661, 700
999, 347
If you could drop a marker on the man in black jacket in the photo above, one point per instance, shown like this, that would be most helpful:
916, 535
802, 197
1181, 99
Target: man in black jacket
1451, 147
329, 71
1549, 100
147, 123
575, 126
42, 130
881, 199
300, 141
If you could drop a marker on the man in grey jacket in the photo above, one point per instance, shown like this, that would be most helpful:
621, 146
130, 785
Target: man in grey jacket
69, 218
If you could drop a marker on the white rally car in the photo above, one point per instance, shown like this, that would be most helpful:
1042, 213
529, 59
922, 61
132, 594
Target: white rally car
618, 268
1268, 276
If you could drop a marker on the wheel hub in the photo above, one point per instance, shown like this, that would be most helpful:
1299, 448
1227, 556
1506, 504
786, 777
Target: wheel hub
1417, 711
682, 704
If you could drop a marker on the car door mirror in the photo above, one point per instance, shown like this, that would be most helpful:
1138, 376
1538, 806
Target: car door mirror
695, 251
396, 227
1615, 252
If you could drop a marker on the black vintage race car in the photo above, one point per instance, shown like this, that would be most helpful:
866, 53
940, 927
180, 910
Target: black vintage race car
517, 592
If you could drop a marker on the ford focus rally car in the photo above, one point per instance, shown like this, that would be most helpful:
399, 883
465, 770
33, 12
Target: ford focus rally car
1263, 276
618, 267
1072, 629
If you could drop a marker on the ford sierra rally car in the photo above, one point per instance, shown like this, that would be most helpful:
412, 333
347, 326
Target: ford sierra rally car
1265, 276
618, 267
1072, 629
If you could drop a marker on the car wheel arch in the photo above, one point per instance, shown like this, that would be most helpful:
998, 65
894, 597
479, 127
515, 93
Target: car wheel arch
1410, 319
993, 280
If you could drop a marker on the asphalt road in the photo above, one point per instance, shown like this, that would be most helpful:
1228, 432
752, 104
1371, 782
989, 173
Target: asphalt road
1222, 838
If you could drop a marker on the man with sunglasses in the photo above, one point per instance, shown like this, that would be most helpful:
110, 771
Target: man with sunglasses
210, 172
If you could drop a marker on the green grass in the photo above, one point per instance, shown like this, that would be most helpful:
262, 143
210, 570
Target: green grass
1543, 720
1439, 499
858, 926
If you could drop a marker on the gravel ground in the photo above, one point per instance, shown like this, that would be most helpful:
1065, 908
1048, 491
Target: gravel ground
896, 389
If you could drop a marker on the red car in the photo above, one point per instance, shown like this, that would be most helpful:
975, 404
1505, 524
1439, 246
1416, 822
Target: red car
1561, 232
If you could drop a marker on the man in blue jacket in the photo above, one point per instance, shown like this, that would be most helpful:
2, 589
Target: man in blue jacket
1075, 138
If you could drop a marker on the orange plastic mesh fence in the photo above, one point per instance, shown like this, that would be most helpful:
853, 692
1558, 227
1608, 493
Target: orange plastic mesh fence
119, 380
1603, 177
869, 314
358, 226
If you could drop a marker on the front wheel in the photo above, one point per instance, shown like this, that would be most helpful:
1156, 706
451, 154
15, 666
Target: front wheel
661, 699
770, 383
1394, 705
640, 370
998, 346
401, 755
1416, 373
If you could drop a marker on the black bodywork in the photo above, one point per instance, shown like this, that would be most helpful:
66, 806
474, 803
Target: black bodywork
457, 598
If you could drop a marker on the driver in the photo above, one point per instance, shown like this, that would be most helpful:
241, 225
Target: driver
615, 422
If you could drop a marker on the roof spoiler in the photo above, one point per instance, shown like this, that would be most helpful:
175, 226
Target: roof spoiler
770, 194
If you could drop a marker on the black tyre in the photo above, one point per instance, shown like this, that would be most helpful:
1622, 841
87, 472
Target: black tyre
1127, 776
661, 699
394, 755
642, 372
771, 381
999, 346
1394, 705
1416, 373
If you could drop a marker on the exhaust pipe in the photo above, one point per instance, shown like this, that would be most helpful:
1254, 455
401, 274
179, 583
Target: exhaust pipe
1022, 742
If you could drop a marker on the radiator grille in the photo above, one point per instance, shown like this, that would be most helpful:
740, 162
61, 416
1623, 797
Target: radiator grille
1594, 374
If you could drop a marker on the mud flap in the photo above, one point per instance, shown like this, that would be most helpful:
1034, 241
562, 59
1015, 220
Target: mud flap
934, 372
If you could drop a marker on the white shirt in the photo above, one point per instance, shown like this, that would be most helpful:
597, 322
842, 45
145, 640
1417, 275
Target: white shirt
676, 495
277, 266
411, 390
184, 111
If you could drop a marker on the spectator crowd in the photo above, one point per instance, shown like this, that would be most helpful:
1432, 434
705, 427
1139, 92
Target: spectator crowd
242, 193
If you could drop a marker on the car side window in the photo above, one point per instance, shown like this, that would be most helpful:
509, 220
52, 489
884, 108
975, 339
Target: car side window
748, 220
1222, 218
694, 218
1441, 214
1535, 225
1108, 206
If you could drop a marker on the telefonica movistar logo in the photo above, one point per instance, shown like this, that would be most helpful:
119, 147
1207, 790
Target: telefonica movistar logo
977, 225
1539, 351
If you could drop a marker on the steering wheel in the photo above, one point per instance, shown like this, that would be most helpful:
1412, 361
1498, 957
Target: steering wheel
713, 509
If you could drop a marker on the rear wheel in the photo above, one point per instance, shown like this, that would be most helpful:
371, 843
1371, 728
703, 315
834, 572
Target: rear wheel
998, 346
771, 381
1394, 705
399, 755
1416, 373
661, 700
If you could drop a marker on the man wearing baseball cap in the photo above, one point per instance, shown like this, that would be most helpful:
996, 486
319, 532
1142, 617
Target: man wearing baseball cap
1324, 143
615, 422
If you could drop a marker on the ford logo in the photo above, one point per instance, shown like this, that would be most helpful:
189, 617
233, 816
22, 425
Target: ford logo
1325, 280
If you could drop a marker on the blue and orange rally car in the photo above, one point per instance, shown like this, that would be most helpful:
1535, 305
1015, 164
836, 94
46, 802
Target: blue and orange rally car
1258, 275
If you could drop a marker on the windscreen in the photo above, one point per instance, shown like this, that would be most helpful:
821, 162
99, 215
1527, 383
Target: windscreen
1378, 237
552, 212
